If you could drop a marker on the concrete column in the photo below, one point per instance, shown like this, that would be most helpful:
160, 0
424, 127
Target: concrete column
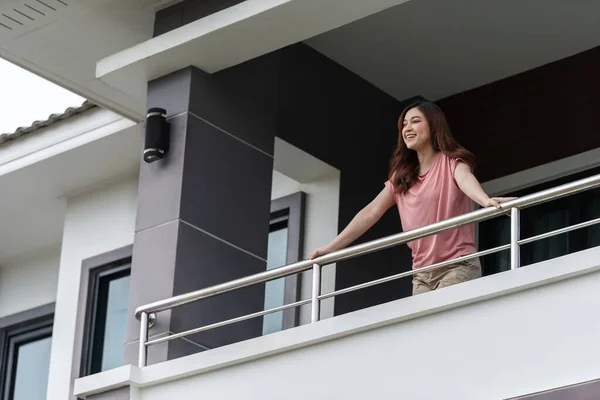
203, 211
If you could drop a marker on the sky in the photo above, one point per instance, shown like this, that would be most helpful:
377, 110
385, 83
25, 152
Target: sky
26, 97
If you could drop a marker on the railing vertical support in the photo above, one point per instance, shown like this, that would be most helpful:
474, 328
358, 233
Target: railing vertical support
515, 234
316, 291
143, 340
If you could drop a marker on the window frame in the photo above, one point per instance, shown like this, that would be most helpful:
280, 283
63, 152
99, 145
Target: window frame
292, 208
17, 329
92, 270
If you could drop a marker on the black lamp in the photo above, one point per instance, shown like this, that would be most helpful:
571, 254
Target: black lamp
157, 135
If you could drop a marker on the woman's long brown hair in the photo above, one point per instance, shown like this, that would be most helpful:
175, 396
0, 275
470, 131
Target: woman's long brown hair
404, 166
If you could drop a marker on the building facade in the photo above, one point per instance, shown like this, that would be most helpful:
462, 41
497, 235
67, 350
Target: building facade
282, 118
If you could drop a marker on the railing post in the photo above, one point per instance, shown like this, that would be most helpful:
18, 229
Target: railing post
316, 291
143, 340
515, 228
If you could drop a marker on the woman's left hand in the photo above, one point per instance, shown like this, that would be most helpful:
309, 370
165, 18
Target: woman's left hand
495, 201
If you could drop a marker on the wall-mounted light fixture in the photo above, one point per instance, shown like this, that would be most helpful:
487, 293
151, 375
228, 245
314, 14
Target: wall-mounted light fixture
157, 135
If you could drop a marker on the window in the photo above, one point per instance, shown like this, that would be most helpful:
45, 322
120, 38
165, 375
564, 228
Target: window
110, 299
26, 341
102, 313
541, 219
285, 246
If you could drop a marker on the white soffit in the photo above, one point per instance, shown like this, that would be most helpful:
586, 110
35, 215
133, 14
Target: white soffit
299, 165
61, 41
18, 18
234, 35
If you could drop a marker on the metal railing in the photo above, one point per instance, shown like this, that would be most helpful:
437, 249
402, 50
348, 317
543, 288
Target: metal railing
147, 312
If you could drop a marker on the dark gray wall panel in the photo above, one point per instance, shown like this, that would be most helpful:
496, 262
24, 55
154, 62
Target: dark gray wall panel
159, 189
338, 117
196, 9
531, 104
171, 92
152, 274
226, 188
188, 11
168, 19
241, 100
204, 261
183, 347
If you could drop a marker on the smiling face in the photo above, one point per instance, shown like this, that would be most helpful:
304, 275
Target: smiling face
415, 130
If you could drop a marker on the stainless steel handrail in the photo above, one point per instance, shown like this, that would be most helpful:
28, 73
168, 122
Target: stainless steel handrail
514, 206
412, 272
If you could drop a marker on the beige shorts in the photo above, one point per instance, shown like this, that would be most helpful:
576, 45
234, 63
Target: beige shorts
446, 276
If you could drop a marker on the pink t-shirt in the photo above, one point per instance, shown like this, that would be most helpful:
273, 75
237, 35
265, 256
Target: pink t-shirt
434, 197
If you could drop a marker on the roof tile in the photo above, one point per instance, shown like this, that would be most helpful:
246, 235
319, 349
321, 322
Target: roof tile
52, 119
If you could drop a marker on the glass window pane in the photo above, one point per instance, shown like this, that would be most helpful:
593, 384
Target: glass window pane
548, 217
593, 233
494, 233
277, 252
275, 290
116, 320
33, 364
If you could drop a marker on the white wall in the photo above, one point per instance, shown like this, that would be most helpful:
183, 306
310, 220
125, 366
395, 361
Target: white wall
295, 171
321, 226
96, 222
29, 281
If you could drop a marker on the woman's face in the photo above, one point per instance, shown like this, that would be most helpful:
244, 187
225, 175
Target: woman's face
415, 130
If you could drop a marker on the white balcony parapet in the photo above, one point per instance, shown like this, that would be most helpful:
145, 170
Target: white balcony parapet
500, 336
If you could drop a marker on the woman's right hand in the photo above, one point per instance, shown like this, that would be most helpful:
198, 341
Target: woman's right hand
321, 251
361, 222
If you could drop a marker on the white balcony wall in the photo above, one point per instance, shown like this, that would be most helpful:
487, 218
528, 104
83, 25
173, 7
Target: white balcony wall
510, 334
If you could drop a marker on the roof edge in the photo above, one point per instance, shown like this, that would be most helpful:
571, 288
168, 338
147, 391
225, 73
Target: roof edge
52, 119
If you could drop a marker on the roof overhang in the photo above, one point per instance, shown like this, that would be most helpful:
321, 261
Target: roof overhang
42, 170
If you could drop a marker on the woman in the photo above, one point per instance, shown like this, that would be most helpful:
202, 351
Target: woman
431, 179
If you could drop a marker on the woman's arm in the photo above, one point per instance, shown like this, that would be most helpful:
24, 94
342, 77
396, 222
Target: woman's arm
362, 221
467, 182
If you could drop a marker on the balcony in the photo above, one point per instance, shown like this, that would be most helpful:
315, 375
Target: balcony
524, 331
